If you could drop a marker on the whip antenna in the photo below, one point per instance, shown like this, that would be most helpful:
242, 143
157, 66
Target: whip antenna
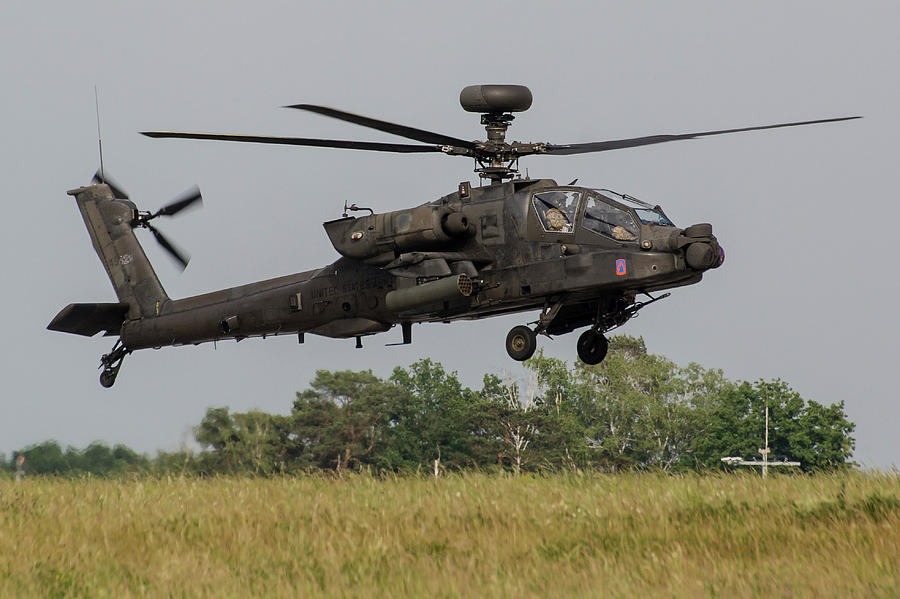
99, 138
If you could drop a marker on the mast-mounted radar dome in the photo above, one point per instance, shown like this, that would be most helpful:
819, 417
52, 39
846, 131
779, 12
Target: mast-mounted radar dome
495, 98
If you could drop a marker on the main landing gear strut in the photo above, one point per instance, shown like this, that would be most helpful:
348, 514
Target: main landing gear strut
111, 363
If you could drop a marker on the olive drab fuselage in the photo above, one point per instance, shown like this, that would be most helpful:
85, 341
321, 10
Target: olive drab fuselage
475, 253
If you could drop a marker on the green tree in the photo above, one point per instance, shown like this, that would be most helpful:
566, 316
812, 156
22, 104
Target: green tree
433, 418
559, 416
44, 458
509, 423
635, 409
639, 412
217, 432
342, 421
95, 459
253, 442
126, 459
98, 459
823, 440
178, 463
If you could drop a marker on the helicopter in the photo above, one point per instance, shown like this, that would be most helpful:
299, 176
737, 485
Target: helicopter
579, 256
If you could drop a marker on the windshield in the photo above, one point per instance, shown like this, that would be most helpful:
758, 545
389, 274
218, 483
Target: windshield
649, 215
606, 219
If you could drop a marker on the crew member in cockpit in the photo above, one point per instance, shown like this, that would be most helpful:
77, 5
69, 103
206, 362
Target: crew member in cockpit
557, 221
557, 210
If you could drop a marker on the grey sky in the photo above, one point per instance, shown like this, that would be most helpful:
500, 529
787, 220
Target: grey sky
806, 214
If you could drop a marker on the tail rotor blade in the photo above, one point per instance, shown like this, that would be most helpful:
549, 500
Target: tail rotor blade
185, 200
118, 192
179, 255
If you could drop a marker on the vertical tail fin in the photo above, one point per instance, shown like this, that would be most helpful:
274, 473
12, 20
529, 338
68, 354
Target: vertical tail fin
109, 222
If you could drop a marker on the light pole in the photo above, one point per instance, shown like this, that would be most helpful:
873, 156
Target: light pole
737, 461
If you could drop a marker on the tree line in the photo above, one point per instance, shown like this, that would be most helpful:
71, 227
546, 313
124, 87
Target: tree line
635, 410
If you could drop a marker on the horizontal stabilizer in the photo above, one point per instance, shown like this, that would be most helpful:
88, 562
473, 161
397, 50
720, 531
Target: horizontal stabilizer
90, 319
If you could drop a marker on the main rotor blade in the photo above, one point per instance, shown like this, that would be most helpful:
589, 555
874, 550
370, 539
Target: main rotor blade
178, 255
118, 192
401, 130
602, 146
297, 141
184, 200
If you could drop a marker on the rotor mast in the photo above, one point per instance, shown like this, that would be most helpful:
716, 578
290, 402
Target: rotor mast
496, 103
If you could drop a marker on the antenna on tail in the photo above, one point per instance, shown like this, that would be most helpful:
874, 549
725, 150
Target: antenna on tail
99, 138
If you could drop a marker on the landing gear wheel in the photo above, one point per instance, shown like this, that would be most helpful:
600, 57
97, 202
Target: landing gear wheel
108, 377
592, 347
111, 363
521, 343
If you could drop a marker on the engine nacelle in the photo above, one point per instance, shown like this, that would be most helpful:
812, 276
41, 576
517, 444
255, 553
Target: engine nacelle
422, 228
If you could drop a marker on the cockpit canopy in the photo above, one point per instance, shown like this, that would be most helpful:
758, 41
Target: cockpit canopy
612, 215
556, 209
647, 214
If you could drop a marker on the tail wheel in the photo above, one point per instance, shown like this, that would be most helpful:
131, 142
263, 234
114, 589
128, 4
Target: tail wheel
521, 343
108, 377
592, 347
111, 363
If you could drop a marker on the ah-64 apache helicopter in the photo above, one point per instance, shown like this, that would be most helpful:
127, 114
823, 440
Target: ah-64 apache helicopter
581, 256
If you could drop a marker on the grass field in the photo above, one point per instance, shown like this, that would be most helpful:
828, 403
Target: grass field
472, 535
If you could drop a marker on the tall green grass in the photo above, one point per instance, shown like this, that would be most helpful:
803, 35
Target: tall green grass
472, 535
